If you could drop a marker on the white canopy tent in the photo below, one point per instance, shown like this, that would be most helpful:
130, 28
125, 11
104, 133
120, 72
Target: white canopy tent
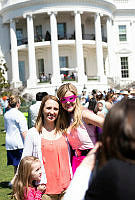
68, 69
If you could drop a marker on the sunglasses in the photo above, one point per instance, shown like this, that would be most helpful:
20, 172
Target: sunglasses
69, 98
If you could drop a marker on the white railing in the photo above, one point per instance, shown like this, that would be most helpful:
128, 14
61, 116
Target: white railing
10, 2
125, 4
121, 1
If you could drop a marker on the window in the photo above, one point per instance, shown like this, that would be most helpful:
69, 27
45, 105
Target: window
122, 33
61, 30
85, 66
63, 61
19, 35
64, 64
22, 71
124, 67
38, 35
40, 67
83, 30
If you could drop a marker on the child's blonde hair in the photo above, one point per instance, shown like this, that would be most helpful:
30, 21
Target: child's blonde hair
23, 177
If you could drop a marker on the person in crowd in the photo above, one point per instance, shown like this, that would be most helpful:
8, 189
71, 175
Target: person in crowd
1, 110
92, 101
73, 76
4, 104
78, 122
114, 98
84, 102
29, 172
99, 109
132, 94
120, 96
105, 103
116, 158
16, 130
113, 175
33, 109
108, 101
50, 145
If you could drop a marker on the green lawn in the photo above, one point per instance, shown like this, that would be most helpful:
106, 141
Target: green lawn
6, 172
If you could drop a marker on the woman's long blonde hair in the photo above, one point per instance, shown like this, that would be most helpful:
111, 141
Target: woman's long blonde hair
65, 117
22, 180
40, 119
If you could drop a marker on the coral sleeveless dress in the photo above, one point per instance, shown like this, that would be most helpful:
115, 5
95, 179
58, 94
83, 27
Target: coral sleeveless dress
56, 162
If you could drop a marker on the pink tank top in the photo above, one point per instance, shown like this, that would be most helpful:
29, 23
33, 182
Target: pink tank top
83, 137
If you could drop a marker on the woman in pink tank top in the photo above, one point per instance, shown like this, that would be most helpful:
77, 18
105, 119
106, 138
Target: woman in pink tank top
78, 122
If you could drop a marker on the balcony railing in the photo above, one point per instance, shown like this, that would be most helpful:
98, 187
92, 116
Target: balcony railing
88, 36
93, 78
22, 41
104, 39
68, 36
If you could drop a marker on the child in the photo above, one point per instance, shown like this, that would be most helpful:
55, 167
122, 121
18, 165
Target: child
29, 173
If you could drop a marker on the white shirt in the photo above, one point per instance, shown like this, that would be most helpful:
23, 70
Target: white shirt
15, 125
32, 147
33, 113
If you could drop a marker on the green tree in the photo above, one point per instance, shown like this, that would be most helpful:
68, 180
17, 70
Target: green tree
3, 70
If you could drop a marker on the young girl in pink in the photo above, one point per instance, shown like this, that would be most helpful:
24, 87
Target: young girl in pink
26, 181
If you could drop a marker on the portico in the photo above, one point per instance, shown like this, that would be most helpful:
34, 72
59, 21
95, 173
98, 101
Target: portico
77, 43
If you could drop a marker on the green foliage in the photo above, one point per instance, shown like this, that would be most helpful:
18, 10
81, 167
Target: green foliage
3, 81
6, 172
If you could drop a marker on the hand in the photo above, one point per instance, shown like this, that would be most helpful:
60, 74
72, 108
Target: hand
41, 187
89, 160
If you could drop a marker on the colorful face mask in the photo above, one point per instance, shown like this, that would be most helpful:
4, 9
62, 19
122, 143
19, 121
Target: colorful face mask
69, 98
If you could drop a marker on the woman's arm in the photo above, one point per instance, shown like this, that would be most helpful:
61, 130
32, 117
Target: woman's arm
28, 145
82, 176
24, 134
91, 118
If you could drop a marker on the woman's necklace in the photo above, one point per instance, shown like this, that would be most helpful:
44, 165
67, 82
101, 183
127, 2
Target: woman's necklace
51, 135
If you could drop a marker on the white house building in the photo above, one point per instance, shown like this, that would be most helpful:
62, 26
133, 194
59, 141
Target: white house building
90, 43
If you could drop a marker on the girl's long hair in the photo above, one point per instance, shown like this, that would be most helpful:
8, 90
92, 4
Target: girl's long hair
40, 119
23, 177
118, 136
65, 117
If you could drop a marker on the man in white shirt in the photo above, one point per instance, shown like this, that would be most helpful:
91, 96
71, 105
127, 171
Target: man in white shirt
34, 109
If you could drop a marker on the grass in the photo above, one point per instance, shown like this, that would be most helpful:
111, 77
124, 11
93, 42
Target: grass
6, 172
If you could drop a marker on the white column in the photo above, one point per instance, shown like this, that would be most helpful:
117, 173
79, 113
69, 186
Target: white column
99, 49
109, 43
56, 78
79, 49
14, 56
32, 80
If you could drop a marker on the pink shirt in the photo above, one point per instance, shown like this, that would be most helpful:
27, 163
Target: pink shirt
33, 194
83, 137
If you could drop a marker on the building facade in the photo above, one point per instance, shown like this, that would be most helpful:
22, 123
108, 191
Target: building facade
90, 43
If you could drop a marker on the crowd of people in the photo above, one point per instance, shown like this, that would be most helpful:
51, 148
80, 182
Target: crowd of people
74, 147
